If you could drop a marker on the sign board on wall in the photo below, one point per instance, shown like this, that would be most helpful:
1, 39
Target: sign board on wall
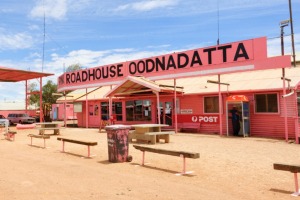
208, 119
225, 58
186, 111
78, 107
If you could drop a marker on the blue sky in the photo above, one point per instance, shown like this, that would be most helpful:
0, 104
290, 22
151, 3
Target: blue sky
98, 32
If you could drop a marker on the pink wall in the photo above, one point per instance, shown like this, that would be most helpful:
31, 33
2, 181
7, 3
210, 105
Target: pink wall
261, 125
58, 112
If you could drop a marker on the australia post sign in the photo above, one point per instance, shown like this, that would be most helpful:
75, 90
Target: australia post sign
225, 58
203, 119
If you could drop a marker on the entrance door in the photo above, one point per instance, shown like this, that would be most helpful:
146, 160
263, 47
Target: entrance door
94, 119
237, 115
166, 110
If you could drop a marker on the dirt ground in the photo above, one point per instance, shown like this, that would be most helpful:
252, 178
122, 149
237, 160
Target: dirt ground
228, 168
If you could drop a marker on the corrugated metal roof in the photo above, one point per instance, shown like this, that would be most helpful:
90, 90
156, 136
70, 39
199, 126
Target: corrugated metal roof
74, 95
243, 81
97, 94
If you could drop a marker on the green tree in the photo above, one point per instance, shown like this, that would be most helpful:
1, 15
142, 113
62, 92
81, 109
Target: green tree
74, 67
48, 89
34, 97
47, 96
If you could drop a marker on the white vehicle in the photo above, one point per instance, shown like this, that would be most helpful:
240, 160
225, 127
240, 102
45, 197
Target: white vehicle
20, 118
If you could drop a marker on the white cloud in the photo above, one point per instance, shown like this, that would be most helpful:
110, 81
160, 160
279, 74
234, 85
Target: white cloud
274, 45
147, 5
15, 41
55, 9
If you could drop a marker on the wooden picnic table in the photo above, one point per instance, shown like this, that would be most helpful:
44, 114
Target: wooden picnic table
151, 133
43, 126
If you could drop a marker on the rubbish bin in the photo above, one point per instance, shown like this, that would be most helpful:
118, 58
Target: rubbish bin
117, 141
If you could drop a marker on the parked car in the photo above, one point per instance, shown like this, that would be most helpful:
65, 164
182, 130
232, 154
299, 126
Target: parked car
2, 120
20, 118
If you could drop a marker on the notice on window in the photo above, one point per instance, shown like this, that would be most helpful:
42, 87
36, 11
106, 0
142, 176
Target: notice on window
186, 111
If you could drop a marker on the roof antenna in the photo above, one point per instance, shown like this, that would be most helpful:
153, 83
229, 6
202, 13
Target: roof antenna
44, 37
218, 41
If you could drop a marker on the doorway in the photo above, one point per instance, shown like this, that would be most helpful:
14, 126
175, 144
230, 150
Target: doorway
239, 103
93, 114
166, 110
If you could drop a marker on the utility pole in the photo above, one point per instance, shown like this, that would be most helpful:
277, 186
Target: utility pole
292, 33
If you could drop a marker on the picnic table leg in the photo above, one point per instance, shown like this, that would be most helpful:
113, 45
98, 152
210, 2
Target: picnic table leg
296, 193
167, 138
31, 141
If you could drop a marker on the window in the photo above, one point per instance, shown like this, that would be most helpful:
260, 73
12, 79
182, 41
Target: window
138, 110
116, 110
266, 103
93, 110
104, 111
211, 104
96, 110
298, 102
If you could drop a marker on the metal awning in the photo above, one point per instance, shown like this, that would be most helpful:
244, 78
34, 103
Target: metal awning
15, 75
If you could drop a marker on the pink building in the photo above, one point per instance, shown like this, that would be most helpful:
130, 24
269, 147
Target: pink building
194, 90
58, 112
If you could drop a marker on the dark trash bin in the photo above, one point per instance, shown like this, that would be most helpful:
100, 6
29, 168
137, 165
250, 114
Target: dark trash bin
117, 141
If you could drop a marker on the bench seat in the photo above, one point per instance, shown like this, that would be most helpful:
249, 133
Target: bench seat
44, 137
10, 135
190, 127
76, 141
290, 168
183, 154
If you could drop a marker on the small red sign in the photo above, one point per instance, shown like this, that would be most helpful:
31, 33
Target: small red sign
237, 98
194, 118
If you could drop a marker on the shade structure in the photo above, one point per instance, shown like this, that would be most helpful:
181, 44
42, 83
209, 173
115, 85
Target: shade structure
15, 75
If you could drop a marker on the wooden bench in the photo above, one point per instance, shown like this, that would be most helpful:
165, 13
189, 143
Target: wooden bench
10, 135
293, 169
87, 143
151, 137
38, 136
182, 154
190, 127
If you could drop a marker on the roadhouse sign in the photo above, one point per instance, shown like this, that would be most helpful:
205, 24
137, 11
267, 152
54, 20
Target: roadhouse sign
207, 119
225, 58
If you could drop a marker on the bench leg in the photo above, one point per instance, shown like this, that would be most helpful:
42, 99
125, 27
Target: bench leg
143, 158
44, 143
296, 193
184, 164
89, 152
63, 147
31, 141
184, 167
